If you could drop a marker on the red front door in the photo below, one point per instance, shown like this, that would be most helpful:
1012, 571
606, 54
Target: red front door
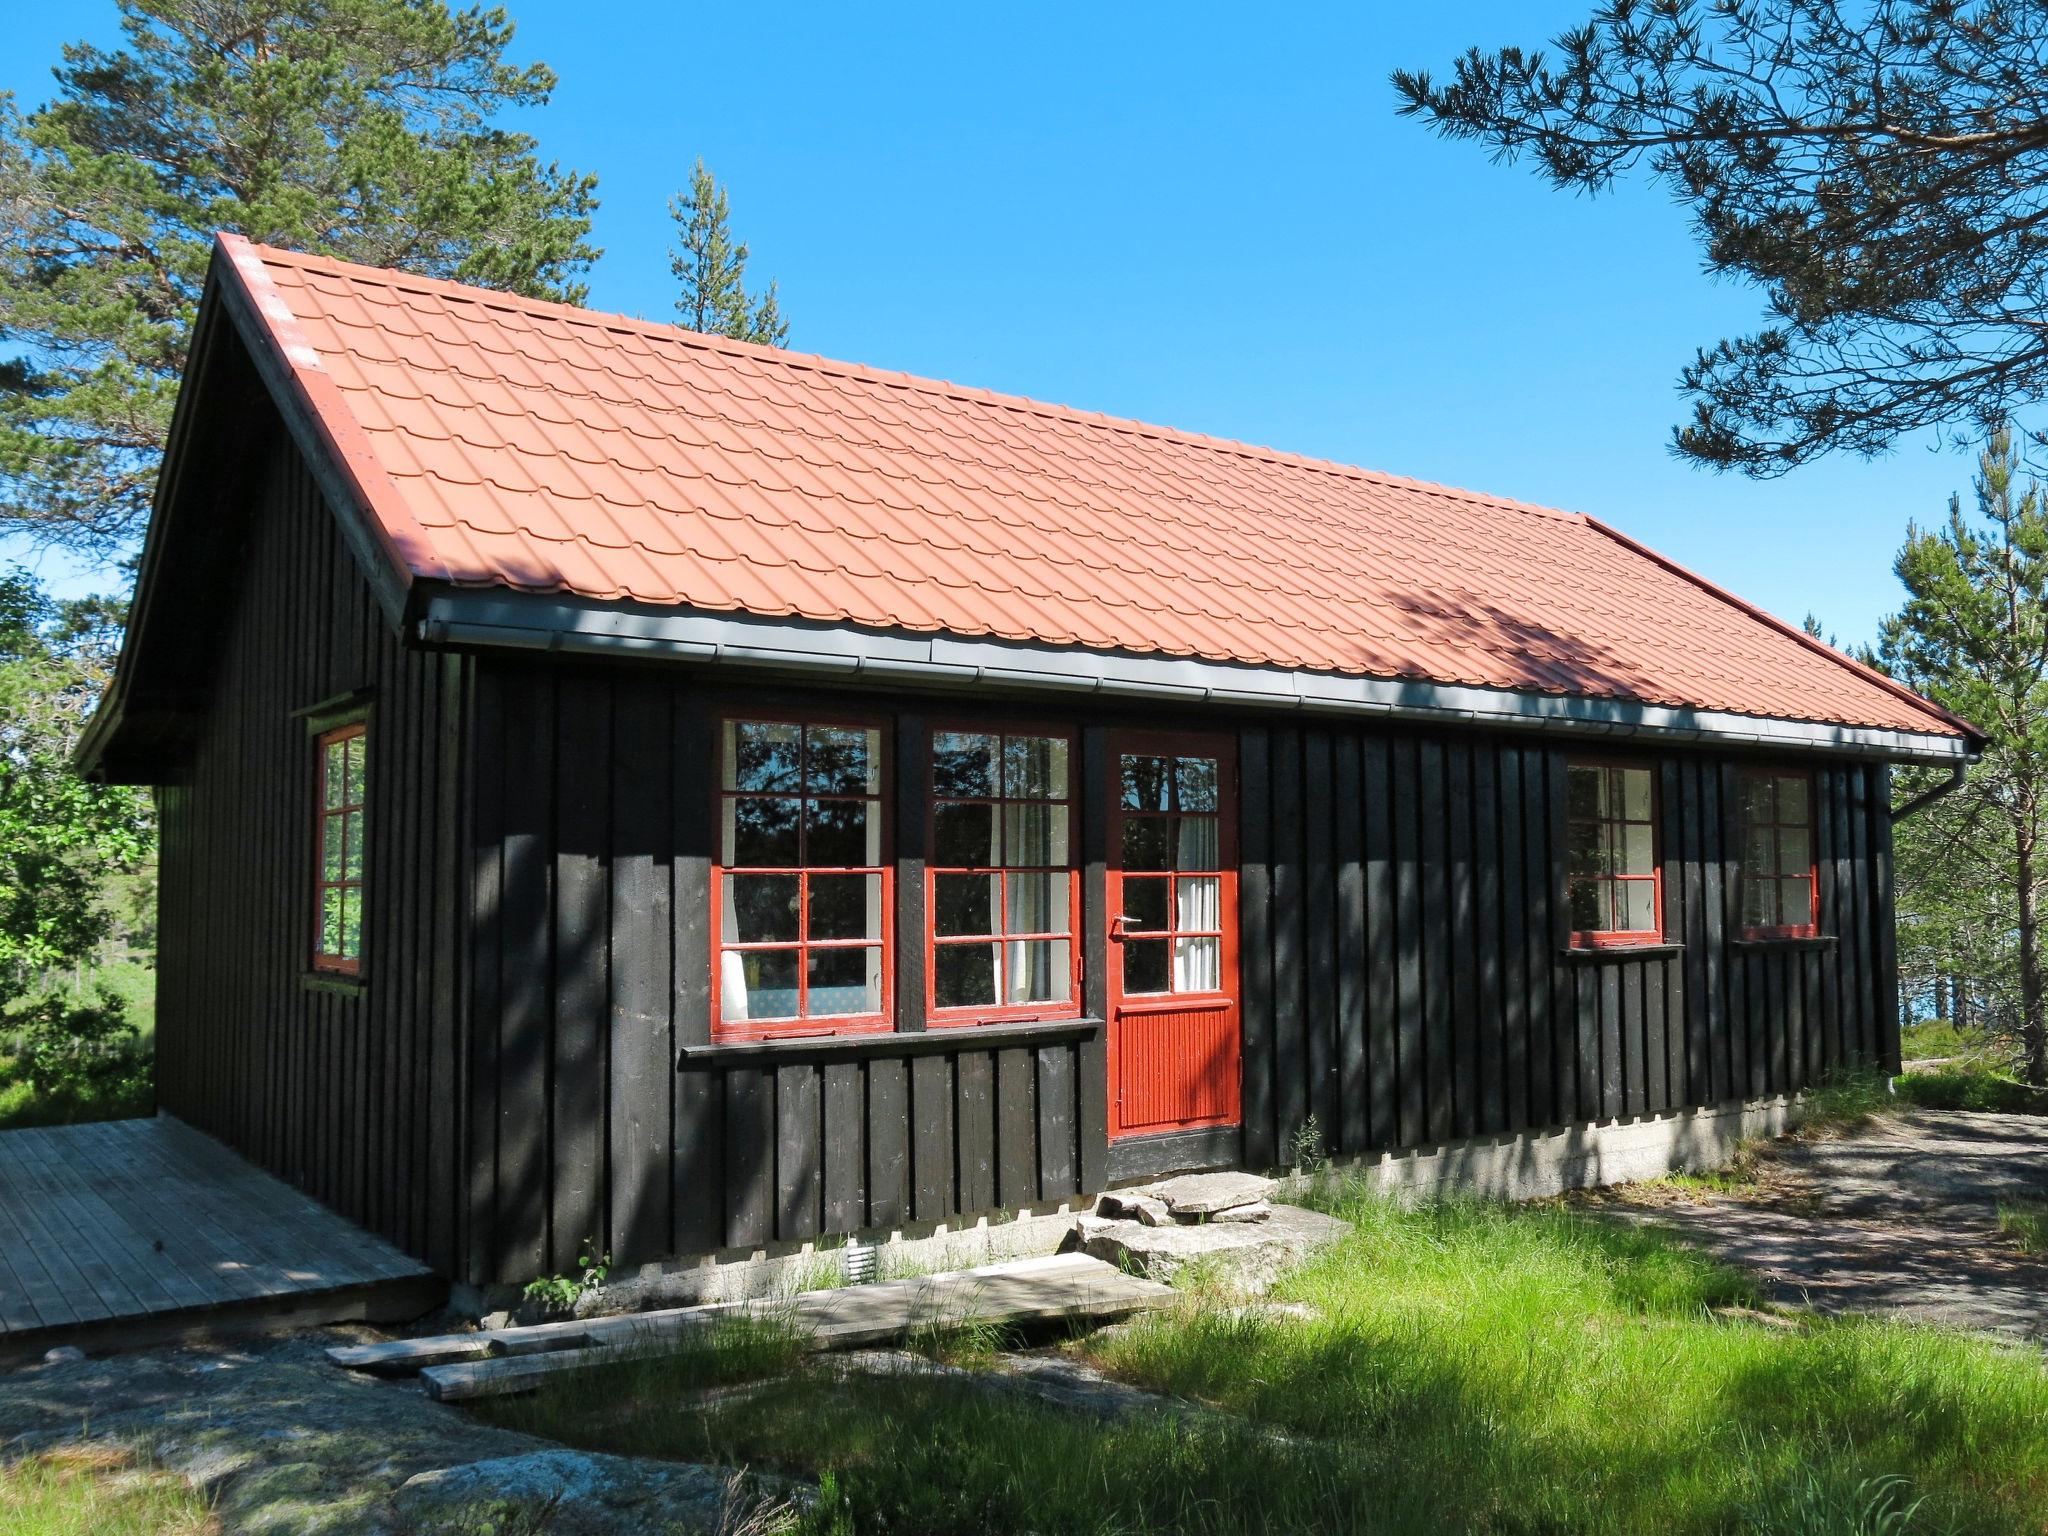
1173, 1015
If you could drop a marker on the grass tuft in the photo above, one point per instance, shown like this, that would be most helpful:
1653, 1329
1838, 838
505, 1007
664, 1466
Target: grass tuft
2026, 1223
1845, 1101
97, 1490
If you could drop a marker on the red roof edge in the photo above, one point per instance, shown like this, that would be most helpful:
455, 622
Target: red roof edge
1840, 658
327, 413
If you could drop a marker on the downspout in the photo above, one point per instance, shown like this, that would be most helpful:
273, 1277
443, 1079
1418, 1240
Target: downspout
1948, 786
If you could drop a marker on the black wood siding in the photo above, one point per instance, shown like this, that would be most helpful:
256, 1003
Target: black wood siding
590, 975
1403, 971
355, 1098
1458, 1011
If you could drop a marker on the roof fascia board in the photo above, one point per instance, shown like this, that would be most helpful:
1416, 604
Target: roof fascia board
536, 622
381, 533
107, 714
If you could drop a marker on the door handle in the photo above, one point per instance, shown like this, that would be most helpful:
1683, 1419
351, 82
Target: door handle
1118, 926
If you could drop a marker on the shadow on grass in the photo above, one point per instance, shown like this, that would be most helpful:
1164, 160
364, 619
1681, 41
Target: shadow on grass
1467, 1367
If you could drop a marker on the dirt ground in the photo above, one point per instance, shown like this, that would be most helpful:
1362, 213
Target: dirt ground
1900, 1217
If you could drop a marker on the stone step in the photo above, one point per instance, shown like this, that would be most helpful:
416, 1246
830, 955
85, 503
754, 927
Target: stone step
1191, 1199
1249, 1255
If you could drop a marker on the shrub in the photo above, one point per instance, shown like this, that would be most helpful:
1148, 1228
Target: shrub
74, 1062
76, 1048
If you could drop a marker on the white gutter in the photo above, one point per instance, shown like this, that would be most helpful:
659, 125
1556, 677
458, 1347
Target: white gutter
528, 622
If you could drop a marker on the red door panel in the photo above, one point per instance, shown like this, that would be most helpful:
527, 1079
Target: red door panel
1174, 1034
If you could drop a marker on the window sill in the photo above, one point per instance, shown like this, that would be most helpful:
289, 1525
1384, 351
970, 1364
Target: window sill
1784, 941
337, 982
888, 1042
1621, 951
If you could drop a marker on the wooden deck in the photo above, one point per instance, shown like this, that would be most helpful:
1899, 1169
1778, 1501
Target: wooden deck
140, 1231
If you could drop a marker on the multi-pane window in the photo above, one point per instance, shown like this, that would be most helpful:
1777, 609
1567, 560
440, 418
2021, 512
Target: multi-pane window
802, 886
1171, 925
1002, 887
1612, 881
338, 900
1780, 895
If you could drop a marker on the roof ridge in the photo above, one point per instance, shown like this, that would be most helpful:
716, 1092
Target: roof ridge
1764, 616
899, 379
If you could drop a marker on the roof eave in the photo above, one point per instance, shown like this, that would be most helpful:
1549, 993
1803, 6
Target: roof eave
467, 617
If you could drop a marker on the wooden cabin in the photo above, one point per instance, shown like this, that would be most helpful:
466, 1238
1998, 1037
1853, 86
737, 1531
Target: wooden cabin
631, 787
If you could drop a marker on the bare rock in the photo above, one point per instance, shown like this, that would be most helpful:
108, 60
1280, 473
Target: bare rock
579, 1491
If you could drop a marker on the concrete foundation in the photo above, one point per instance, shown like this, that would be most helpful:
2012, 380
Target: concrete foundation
1535, 1164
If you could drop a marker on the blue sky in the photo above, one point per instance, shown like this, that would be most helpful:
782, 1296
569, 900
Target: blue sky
1208, 218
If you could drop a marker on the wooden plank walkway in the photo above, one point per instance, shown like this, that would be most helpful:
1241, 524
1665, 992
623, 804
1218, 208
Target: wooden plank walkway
139, 1231
1038, 1290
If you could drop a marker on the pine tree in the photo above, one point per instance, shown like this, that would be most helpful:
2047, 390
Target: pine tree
358, 128
1973, 636
1877, 168
712, 269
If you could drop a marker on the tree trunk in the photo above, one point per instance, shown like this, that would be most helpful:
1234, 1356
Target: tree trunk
2033, 1027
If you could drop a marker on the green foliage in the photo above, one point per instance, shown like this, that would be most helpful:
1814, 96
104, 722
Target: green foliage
560, 1293
712, 269
359, 128
71, 1049
61, 839
1878, 170
1973, 636
1309, 1153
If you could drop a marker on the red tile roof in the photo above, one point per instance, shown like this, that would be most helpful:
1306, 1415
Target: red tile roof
505, 442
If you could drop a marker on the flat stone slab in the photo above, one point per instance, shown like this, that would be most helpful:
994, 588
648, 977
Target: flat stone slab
1204, 1194
1249, 1255
1134, 1205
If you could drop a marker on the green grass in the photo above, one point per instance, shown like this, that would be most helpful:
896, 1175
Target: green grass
93, 1491
2026, 1223
1937, 1040
1972, 1086
1472, 1367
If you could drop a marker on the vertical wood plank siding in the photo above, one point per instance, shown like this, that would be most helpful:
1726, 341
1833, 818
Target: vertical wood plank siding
1475, 1019
354, 1098
590, 854
1404, 979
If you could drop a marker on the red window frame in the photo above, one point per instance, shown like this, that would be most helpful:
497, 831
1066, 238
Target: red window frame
1777, 826
966, 1015
1615, 938
801, 1023
331, 825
